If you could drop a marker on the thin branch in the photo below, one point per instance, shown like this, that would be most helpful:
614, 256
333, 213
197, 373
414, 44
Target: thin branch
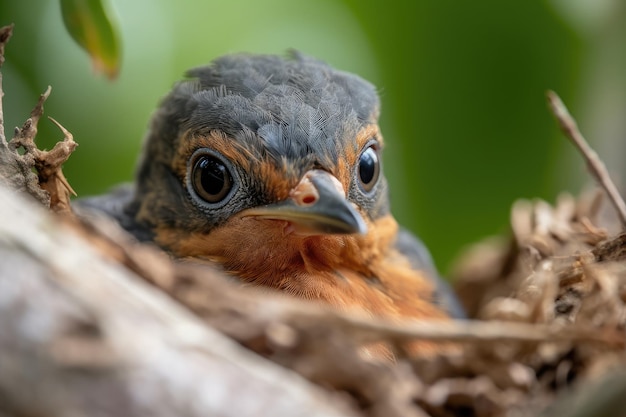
25, 137
18, 168
302, 317
481, 331
5, 35
49, 166
594, 163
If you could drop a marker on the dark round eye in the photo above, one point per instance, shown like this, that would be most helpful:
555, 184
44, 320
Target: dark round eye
210, 179
369, 168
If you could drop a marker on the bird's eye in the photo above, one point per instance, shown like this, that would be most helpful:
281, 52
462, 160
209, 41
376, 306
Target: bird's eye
369, 168
211, 179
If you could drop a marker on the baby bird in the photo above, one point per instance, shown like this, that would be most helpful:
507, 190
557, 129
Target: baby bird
270, 168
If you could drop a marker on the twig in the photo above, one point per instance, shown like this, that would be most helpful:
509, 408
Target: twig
372, 330
49, 166
5, 35
51, 188
594, 163
24, 137
303, 317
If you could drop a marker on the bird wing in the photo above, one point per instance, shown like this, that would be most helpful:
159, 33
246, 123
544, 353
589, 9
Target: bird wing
118, 205
419, 257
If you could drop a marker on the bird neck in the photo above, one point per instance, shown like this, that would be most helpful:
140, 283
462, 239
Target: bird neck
345, 271
262, 253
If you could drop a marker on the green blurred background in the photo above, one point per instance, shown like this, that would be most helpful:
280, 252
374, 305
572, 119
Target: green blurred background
462, 86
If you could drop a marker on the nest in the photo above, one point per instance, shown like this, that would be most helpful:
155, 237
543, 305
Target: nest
546, 333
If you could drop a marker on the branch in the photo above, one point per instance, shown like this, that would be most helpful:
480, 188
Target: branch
49, 186
5, 35
86, 335
594, 163
49, 166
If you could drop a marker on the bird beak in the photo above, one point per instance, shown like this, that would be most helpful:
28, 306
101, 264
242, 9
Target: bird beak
317, 205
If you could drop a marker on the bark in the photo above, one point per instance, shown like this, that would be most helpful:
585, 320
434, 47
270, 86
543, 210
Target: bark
81, 335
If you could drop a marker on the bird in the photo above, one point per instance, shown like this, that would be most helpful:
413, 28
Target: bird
270, 168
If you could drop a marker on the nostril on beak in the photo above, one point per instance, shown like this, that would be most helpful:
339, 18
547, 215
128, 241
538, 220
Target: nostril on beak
305, 194
305, 198
308, 200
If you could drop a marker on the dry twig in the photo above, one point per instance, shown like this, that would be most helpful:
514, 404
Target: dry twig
595, 165
5, 35
49, 186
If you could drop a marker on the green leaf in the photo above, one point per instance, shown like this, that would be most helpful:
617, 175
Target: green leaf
91, 27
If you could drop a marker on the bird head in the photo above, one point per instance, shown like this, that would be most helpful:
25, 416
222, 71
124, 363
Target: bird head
256, 160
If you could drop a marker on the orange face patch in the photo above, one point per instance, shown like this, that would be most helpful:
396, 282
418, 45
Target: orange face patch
279, 180
345, 271
345, 166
